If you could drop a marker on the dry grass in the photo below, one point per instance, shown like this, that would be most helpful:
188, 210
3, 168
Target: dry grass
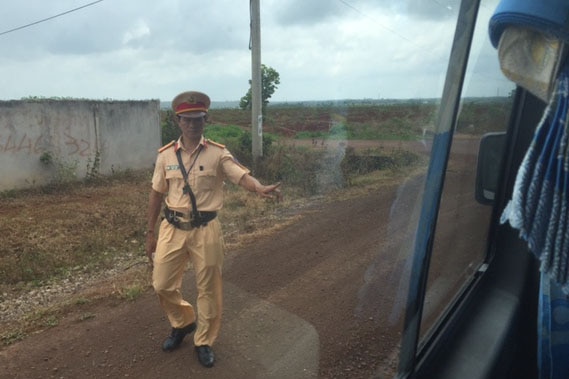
48, 234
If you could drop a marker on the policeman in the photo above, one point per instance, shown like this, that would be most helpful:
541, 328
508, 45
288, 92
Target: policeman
188, 177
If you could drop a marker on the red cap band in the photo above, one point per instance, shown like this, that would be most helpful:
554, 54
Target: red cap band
187, 107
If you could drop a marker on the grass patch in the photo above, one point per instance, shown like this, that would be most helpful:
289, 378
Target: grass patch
81, 301
12, 336
132, 292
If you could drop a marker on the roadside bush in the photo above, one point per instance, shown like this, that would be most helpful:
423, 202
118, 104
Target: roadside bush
223, 133
404, 158
169, 129
371, 160
297, 167
243, 146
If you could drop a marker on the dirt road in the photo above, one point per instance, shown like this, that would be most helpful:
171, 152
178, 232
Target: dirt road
297, 305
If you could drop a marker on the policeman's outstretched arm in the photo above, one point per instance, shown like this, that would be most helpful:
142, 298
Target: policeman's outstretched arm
252, 184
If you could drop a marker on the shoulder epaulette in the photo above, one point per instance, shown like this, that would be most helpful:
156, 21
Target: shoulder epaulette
166, 146
215, 144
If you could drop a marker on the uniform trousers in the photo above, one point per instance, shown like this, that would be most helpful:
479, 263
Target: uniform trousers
203, 247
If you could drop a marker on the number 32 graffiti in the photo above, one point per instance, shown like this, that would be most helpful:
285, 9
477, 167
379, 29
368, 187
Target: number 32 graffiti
29, 145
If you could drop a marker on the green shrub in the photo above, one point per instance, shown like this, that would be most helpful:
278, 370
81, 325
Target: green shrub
169, 128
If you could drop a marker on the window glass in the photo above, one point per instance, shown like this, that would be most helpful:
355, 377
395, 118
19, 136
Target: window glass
460, 241
372, 79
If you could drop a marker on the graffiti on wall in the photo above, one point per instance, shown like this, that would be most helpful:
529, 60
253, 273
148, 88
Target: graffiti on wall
15, 144
76, 134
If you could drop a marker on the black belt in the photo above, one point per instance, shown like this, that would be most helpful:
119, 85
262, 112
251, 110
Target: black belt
196, 219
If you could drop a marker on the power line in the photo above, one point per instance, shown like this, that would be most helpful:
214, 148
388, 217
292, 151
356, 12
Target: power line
49, 18
380, 24
383, 26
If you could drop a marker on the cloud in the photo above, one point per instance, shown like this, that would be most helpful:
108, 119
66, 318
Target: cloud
423, 9
369, 50
138, 31
321, 48
301, 12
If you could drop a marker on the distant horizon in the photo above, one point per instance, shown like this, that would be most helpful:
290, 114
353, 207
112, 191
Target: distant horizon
220, 104
215, 104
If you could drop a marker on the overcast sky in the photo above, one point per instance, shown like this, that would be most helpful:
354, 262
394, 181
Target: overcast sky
322, 49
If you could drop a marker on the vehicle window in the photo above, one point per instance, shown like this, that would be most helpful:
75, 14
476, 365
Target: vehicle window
367, 128
460, 243
375, 130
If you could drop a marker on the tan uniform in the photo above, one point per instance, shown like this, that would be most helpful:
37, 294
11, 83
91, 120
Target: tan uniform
207, 168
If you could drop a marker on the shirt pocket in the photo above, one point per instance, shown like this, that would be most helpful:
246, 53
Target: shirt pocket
174, 175
206, 180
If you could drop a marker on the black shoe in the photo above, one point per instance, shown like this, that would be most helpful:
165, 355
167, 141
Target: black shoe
177, 336
205, 355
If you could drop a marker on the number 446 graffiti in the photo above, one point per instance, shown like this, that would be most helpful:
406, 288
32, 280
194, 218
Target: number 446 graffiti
29, 145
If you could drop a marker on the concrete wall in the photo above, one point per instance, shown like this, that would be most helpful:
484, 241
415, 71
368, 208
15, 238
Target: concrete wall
46, 140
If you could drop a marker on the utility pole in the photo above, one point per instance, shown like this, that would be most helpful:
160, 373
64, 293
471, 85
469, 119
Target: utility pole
256, 78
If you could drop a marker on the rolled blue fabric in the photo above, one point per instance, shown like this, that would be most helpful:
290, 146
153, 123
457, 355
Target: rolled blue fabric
539, 206
548, 16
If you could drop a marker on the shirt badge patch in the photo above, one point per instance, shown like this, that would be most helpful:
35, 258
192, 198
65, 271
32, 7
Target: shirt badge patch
172, 167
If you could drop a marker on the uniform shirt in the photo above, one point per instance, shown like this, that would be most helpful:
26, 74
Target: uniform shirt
207, 169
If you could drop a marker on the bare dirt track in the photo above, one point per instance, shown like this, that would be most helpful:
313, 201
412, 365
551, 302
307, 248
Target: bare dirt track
296, 305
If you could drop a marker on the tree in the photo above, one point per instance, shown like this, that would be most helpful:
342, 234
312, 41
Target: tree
269, 81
